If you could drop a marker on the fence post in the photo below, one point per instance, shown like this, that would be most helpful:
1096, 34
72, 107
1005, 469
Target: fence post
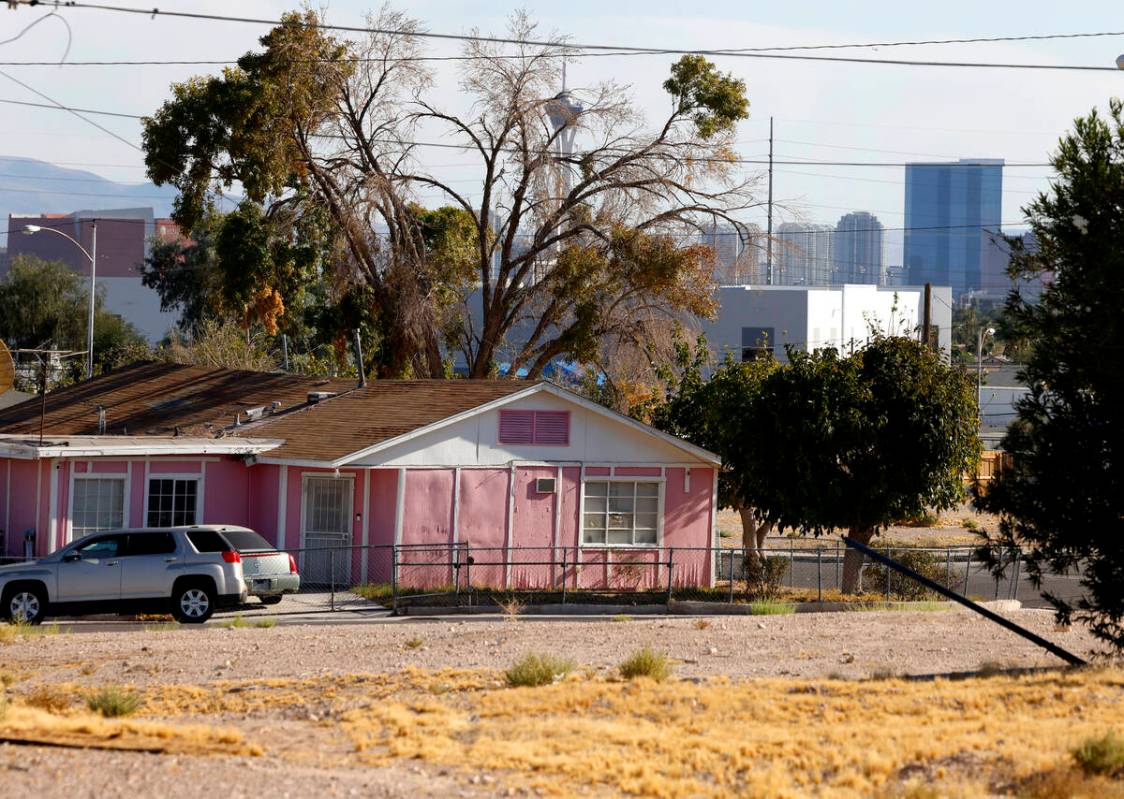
819, 574
457, 574
838, 559
1014, 593
468, 572
332, 558
967, 572
563, 575
890, 555
670, 569
997, 577
948, 567
791, 563
394, 579
731, 554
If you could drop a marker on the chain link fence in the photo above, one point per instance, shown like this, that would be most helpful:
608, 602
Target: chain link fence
466, 574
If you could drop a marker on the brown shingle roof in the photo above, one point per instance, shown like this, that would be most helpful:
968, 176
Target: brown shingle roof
153, 398
381, 411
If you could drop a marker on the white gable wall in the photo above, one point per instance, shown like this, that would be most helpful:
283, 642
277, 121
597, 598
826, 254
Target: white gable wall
594, 438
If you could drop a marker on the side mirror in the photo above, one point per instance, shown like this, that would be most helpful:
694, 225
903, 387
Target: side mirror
72, 555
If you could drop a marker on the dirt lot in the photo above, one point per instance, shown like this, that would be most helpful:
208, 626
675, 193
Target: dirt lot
419, 708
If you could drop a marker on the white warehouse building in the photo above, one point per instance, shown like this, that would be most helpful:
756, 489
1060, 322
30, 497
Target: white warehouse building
755, 319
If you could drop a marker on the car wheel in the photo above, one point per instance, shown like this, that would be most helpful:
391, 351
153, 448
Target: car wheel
25, 605
193, 603
270, 600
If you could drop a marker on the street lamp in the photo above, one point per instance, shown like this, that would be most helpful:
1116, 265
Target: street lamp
31, 230
990, 331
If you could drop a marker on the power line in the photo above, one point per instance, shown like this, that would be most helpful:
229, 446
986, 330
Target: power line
464, 147
766, 53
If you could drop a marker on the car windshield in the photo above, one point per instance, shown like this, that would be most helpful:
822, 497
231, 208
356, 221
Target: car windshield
246, 540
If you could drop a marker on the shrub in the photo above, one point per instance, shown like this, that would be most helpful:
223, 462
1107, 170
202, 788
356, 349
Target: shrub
535, 669
1102, 756
414, 643
764, 576
111, 702
621, 617
646, 663
927, 564
511, 606
701, 624
970, 524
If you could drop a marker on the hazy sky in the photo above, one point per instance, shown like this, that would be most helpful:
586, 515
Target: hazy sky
822, 111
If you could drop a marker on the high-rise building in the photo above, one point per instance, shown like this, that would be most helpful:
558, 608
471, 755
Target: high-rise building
858, 249
952, 215
739, 254
803, 254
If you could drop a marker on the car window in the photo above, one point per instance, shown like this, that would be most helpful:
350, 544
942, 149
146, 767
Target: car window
207, 541
107, 546
151, 544
246, 540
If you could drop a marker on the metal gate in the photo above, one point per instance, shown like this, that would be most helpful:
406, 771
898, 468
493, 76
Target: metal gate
326, 529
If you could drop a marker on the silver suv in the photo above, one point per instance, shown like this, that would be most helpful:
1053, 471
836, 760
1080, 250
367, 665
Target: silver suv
178, 570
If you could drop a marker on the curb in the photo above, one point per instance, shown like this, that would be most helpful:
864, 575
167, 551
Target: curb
700, 608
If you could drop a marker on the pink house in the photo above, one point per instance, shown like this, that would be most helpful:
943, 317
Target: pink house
534, 483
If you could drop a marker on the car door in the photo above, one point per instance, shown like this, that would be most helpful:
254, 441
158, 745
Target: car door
91, 572
148, 565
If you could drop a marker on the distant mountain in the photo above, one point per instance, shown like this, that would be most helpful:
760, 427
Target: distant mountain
28, 186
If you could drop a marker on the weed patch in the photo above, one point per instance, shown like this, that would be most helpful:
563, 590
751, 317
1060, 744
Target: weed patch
646, 662
536, 670
620, 617
414, 643
1102, 756
49, 698
771, 608
112, 702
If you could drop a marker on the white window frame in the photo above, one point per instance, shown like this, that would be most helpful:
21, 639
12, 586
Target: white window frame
89, 475
199, 485
659, 482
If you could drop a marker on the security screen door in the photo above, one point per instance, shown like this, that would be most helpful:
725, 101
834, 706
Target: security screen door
327, 530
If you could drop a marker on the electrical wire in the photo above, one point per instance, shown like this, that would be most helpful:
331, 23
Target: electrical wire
766, 53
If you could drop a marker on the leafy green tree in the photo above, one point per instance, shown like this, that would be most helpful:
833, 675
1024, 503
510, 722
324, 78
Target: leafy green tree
43, 304
1061, 500
858, 442
714, 414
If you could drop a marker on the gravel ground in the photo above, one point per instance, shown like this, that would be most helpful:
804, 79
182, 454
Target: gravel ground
308, 759
853, 644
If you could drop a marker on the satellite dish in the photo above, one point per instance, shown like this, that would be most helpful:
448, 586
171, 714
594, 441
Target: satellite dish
7, 369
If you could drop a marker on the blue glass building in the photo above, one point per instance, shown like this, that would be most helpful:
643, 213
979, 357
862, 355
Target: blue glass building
952, 220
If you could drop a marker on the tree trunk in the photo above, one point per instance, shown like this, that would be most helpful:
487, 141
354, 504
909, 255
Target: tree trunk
853, 562
753, 541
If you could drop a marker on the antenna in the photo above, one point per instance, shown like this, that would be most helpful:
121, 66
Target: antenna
7, 369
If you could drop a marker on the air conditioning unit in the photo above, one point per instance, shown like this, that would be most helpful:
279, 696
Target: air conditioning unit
545, 485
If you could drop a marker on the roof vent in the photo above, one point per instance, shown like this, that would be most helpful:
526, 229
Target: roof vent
101, 420
319, 396
253, 414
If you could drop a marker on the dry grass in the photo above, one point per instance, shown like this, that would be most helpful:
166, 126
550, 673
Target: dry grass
414, 643
241, 623
771, 737
1101, 756
512, 606
28, 724
50, 698
701, 624
20, 631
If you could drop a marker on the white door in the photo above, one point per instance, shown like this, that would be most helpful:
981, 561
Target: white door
326, 530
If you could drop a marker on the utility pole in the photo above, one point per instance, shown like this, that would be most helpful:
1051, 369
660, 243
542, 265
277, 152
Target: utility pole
927, 317
93, 294
769, 231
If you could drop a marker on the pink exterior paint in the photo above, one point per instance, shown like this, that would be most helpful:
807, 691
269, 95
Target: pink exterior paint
687, 523
225, 490
532, 526
261, 500
546, 526
380, 520
427, 518
482, 521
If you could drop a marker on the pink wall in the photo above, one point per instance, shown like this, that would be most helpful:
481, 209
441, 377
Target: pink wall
381, 516
261, 502
226, 492
687, 523
532, 524
482, 521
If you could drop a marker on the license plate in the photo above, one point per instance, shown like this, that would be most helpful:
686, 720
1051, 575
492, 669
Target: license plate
260, 584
